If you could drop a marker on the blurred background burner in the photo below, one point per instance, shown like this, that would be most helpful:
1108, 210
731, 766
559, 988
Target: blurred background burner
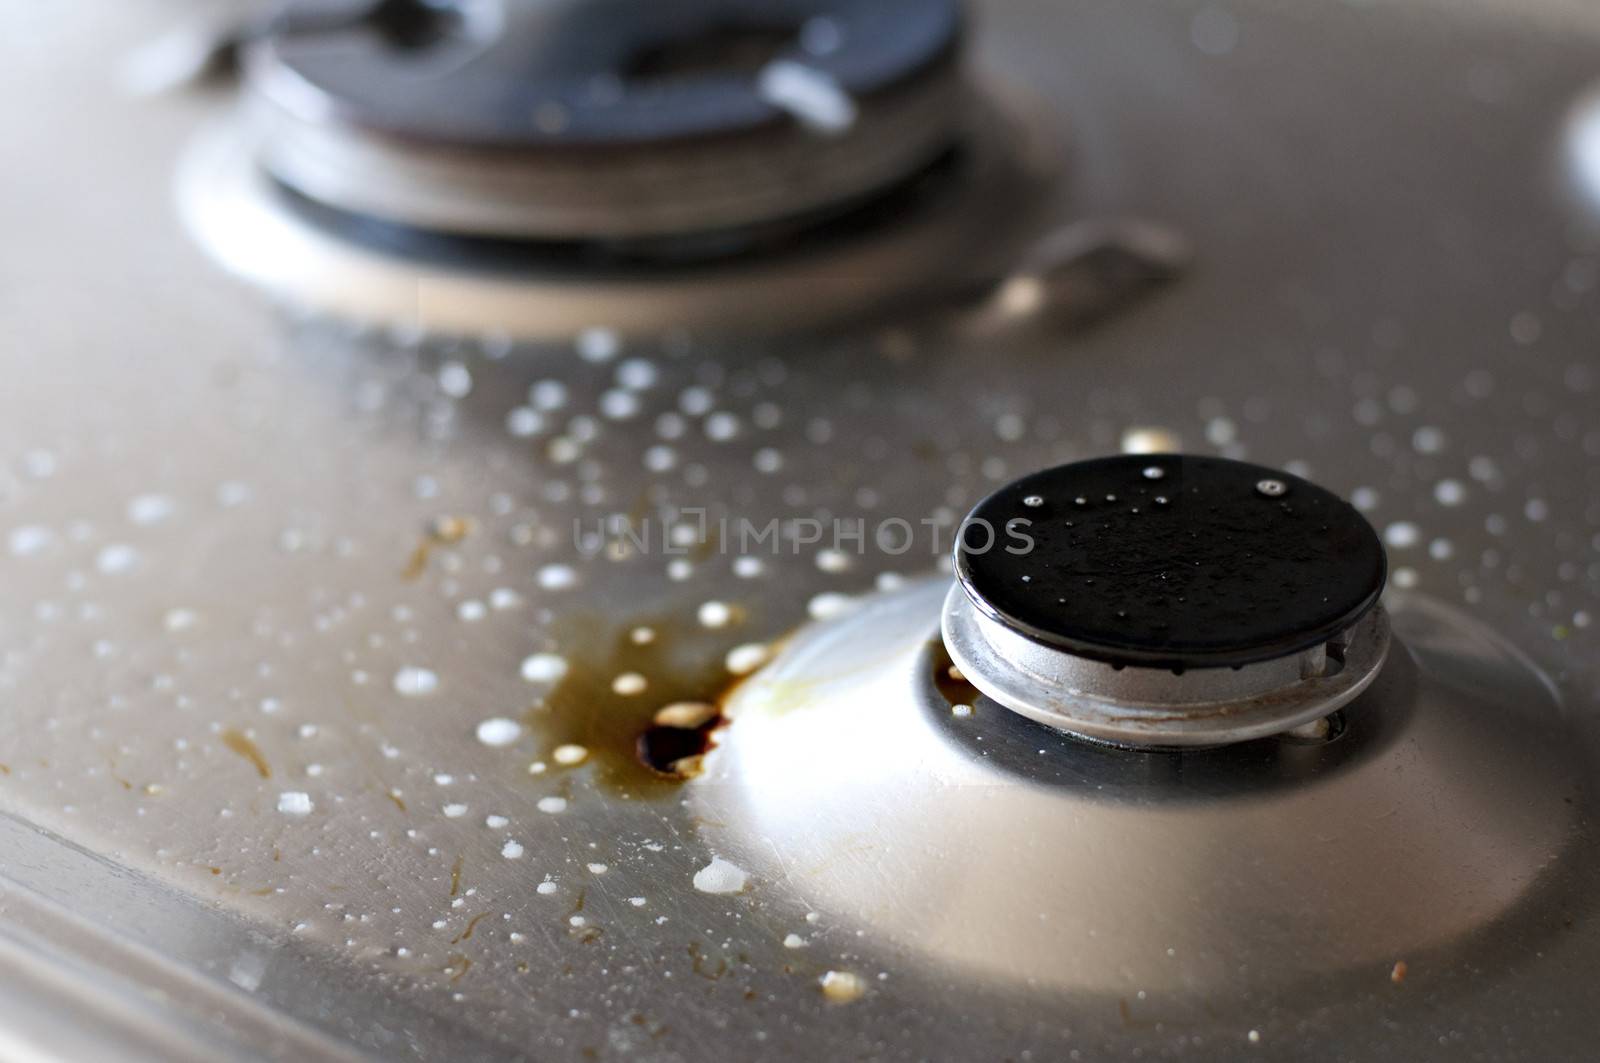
706, 123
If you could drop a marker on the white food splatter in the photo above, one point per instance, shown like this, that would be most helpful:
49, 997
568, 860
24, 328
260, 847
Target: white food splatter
720, 876
841, 987
116, 558
414, 682
557, 577
569, 754
149, 509
544, 668
742, 660
499, 731
28, 540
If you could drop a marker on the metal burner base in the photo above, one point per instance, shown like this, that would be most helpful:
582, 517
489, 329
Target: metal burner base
997, 848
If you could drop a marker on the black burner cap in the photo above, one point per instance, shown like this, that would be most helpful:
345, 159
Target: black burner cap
1170, 561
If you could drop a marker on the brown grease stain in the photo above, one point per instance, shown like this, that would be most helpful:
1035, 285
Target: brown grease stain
655, 1029
459, 964
444, 531
684, 662
369, 760
455, 877
678, 752
238, 743
699, 964
586, 934
472, 925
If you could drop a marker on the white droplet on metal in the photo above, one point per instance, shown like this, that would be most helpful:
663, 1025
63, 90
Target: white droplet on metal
499, 731
413, 682
841, 987
569, 755
543, 668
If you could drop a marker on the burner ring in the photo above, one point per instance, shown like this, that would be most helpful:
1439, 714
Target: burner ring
612, 120
1167, 600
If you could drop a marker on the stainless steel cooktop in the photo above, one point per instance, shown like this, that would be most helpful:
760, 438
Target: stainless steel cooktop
323, 657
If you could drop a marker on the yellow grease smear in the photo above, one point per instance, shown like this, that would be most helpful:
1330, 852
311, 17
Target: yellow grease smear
445, 531
247, 749
471, 926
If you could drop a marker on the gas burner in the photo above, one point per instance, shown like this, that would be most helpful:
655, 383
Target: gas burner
606, 121
511, 167
1168, 600
1302, 820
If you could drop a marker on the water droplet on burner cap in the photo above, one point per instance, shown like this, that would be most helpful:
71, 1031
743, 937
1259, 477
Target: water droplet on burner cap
1271, 488
1154, 472
1033, 501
